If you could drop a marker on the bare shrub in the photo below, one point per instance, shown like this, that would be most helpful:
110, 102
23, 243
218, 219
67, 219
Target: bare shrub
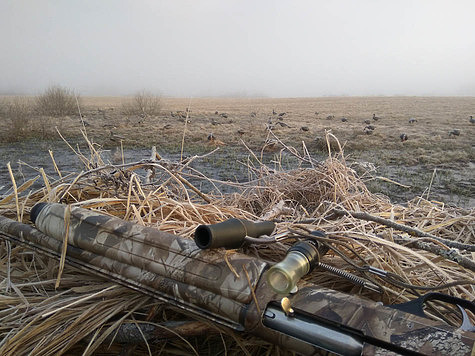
143, 103
17, 112
3, 105
56, 101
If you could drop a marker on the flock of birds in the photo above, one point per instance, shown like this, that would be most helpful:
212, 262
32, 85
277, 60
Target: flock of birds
368, 128
276, 120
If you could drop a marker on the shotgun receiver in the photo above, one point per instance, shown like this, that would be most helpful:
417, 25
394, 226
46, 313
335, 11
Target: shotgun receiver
175, 270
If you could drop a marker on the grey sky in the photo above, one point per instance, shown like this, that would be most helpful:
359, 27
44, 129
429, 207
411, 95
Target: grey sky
212, 48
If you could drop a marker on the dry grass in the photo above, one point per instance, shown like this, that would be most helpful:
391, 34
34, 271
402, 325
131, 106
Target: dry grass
79, 315
428, 142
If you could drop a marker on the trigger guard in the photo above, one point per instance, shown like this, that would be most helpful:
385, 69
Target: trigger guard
416, 307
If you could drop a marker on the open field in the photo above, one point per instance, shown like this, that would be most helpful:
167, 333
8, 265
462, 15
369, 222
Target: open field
429, 145
435, 118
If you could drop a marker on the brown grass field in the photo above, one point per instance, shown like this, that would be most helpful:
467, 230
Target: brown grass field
429, 145
428, 138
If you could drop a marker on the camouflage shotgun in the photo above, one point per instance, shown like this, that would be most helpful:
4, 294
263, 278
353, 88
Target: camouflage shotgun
175, 270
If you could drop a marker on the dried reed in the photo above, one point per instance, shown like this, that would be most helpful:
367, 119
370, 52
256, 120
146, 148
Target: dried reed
83, 313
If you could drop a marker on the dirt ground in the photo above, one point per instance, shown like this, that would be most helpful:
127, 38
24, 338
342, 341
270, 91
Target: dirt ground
429, 144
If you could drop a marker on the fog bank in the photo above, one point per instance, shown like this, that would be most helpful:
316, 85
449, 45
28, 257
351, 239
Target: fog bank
239, 48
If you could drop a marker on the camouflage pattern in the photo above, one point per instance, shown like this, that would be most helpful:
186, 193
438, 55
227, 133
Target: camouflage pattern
153, 251
376, 321
199, 301
175, 270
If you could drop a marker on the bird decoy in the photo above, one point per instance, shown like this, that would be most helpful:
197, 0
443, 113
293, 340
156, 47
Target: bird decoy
214, 122
304, 128
166, 127
270, 146
241, 132
370, 127
282, 114
412, 120
283, 124
330, 117
253, 114
367, 131
270, 126
225, 115
375, 118
117, 156
367, 122
182, 114
213, 141
454, 132
114, 137
472, 120
344, 119
403, 137
184, 119
274, 112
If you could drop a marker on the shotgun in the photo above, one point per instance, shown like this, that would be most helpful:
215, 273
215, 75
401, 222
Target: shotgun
243, 293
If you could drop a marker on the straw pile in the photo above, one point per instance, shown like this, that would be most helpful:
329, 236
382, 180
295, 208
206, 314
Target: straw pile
83, 314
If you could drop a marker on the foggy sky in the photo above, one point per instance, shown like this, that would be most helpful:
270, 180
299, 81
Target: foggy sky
254, 48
